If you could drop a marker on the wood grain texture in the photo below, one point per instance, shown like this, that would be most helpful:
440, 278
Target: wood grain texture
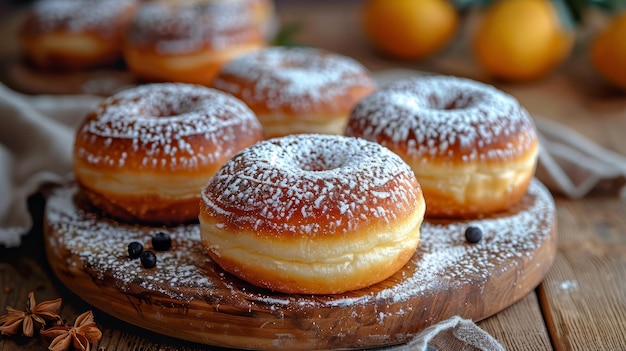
584, 295
445, 277
520, 326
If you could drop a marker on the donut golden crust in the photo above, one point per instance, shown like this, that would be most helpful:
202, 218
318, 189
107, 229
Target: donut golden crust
297, 90
73, 34
472, 147
312, 214
145, 153
190, 41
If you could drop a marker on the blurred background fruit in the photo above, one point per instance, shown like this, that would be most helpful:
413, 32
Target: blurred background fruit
508, 40
521, 40
608, 51
409, 29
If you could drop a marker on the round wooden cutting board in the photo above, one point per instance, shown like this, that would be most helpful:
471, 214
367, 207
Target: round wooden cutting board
189, 297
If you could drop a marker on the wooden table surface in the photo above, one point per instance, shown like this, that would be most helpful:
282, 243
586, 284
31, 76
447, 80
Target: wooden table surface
580, 305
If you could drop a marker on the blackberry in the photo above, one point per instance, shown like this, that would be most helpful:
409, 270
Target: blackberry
161, 241
148, 259
134, 249
473, 235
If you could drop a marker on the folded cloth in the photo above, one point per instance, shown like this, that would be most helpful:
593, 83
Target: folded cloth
36, 138
455, 333
37, 134
573, 165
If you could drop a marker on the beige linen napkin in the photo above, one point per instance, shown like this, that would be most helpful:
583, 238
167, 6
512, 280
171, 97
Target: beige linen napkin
455, 333
36, 138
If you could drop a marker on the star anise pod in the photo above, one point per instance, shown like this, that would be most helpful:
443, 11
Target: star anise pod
77, 337
33, 319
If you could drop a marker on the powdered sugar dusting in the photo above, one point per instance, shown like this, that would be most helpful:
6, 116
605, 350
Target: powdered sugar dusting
161, 120
312, 184
440, 116
101, 247
187, 27
444, 261
79, 15
296, 77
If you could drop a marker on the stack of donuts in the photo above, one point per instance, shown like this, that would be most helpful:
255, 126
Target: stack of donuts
159, 41
303, 212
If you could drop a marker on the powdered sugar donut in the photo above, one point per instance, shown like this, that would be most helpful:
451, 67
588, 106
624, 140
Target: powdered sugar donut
144, 154
473, 147
189, 41
312, 214
297, 90
76, 34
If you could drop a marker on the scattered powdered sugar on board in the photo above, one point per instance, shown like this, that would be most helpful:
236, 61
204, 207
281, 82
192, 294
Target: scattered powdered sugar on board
79, 15
101, 245
187, 27
443, 261
438, 116
296, 77
312, 184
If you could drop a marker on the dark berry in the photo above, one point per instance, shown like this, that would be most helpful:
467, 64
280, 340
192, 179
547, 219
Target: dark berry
161, 241
473, 234
148, 259
134, 250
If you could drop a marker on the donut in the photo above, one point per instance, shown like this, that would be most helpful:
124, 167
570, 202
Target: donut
473, 147
263, 12
189, 42
75, 34
312, 214
145, 153
297, 90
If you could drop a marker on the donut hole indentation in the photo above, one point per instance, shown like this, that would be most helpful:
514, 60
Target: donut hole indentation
171, 107
459, 100
311, 157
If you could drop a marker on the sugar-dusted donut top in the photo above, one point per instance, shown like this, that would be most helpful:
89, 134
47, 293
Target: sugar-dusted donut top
294, 79
102, 16
445, 118
311, 184
188, 27
165, 126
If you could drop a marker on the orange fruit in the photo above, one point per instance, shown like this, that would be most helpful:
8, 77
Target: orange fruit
409, 29
608, 51
521, 40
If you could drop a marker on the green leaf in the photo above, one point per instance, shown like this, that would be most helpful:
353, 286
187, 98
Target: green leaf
575, 8
286, 34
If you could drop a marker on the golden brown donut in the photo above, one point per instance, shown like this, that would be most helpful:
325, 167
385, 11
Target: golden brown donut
145, 153
472, 147
188, 42
262, 12
75, 34
297, 90
312, 214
